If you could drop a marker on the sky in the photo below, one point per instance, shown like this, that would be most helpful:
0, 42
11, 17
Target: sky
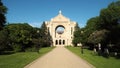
34, 12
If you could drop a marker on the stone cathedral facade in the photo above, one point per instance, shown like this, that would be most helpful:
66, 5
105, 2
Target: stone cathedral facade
61, 38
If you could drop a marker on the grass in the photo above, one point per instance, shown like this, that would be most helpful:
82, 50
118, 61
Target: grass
97, 61
19, 60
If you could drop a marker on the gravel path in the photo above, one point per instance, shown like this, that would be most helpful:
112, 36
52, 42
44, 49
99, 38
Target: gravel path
60, 57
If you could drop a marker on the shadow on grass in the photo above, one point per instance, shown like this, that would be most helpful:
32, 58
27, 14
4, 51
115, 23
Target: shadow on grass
7, 52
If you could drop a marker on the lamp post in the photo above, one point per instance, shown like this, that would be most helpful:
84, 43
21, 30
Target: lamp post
99, 49
99, 46
38, 44
81, 44
82, 49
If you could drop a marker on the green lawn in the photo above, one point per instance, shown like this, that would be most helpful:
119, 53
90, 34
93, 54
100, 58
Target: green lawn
97, 61
19, 60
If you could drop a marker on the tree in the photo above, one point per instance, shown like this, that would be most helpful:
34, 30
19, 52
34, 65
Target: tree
92, 25
109, 16
77, 27
49, 38
23, 37
104, 28
36, 39
20, 36
76, 38
109, 19
4, 40
46, 37
3, 11
98, 37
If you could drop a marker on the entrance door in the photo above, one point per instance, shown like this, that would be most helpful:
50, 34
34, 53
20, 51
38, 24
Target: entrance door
56, 42
59, 42
63, 42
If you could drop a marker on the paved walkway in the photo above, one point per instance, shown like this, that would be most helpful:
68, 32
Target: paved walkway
60, 57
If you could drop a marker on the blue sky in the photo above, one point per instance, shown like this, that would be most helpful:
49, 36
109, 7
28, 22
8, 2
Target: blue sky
35, 12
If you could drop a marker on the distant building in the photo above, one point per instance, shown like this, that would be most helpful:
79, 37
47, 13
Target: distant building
61, 38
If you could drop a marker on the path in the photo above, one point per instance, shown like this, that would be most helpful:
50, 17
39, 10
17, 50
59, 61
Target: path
60, 57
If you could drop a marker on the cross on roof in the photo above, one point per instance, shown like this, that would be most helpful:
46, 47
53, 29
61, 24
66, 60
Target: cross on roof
60, 12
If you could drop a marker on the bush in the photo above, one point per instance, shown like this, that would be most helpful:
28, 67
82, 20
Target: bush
17, 47
32, 49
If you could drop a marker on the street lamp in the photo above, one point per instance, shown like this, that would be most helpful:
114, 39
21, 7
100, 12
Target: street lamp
82, 32
38, 44
99, 46
79, 44
99, 49
38, 31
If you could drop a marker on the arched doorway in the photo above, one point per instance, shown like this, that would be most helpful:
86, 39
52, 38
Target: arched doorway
63, 42
59, 42
56, 42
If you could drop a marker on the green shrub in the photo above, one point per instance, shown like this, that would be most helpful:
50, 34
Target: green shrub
17, 48
32, 49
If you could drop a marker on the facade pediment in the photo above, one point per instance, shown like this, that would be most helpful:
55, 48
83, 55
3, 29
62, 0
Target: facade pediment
60, 17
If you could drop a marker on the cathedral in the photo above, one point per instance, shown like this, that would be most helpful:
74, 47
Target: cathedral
61, 30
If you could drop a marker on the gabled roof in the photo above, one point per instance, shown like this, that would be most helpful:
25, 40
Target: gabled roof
60, 17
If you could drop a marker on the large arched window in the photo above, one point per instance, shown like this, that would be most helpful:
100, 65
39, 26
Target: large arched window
60, 29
